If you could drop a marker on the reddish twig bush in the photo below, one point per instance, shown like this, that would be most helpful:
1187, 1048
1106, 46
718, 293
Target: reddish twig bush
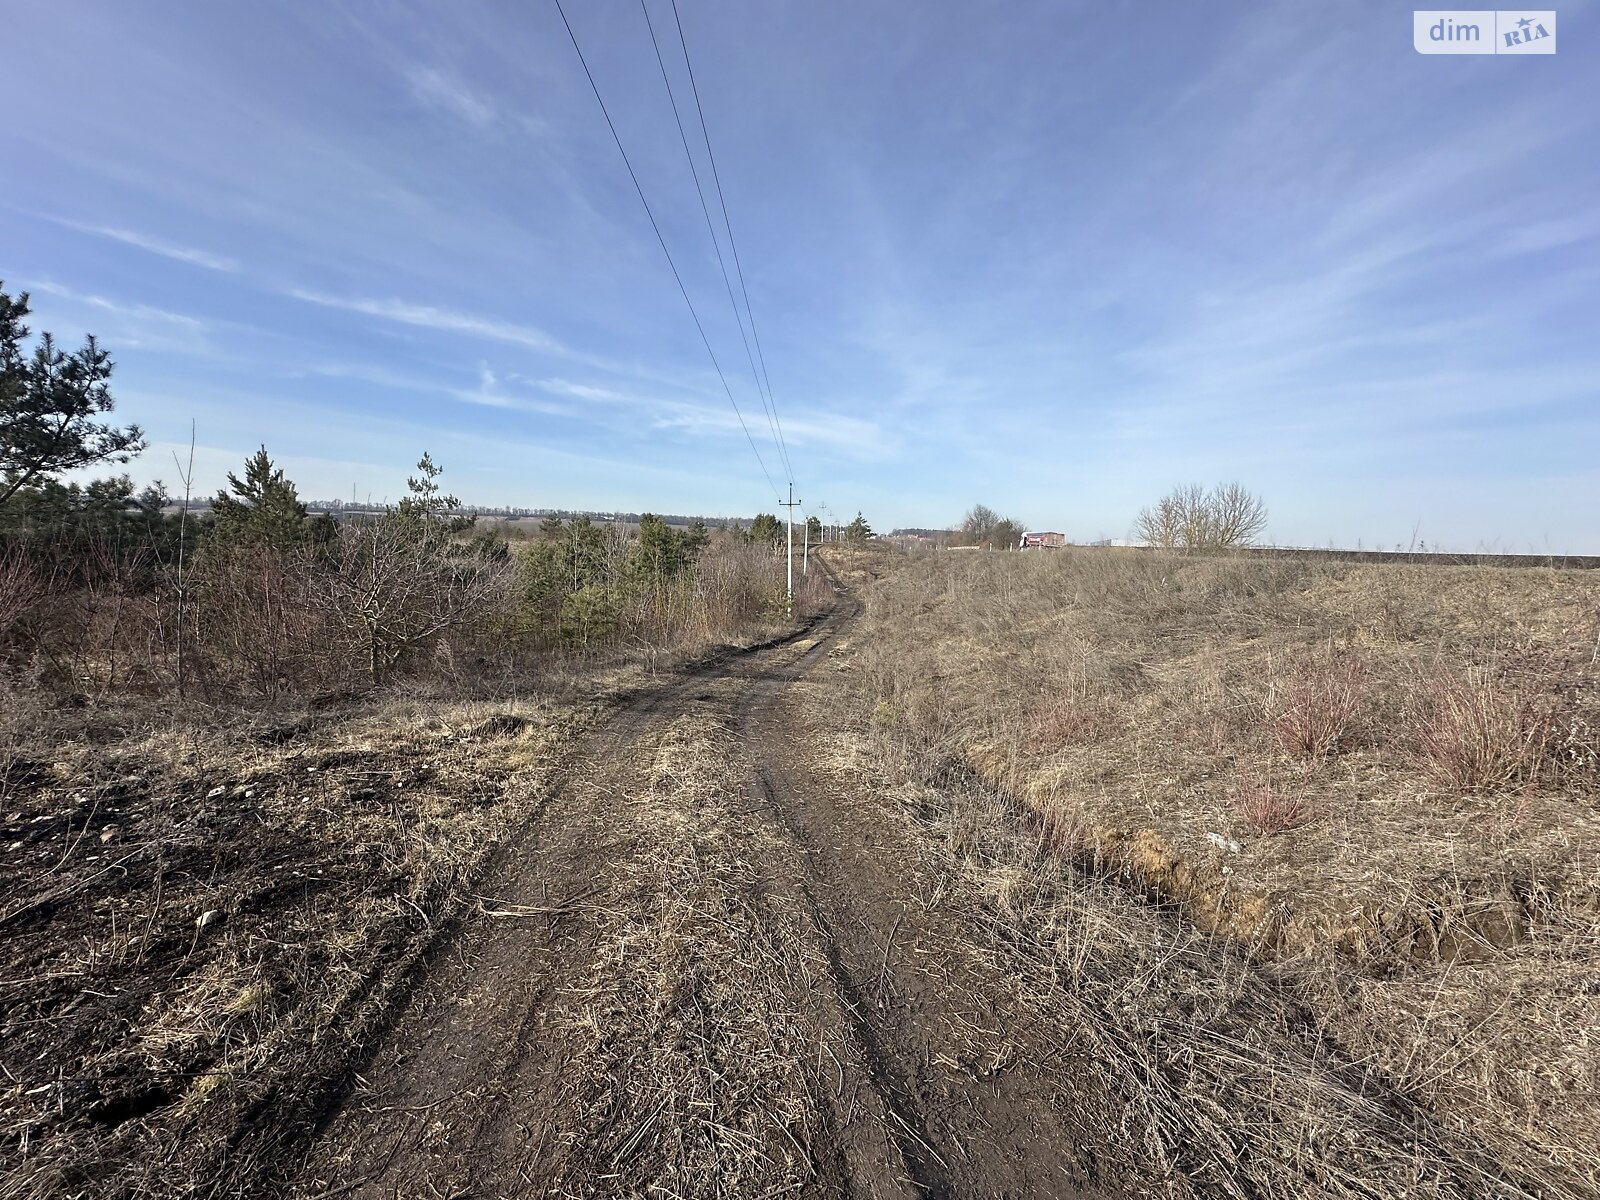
1268, 810
1482, 731
1320, 707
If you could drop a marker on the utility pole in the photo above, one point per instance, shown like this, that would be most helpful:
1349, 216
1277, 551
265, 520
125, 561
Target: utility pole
789, 504
805, 549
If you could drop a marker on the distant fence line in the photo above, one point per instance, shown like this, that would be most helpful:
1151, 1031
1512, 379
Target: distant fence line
1563, 562
1427, 558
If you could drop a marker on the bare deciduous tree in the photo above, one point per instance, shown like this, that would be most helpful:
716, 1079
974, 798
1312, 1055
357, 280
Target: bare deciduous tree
393, 592
982, 526
1237, 515
977, 525
1191, 518
1160, 525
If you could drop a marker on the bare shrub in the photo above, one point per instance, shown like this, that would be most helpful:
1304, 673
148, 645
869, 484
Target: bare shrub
22, 588
732, 586
1481, 730
1191, 518
98, 629
812, 592
258, 621
1269, 809
395, 587
1320, 705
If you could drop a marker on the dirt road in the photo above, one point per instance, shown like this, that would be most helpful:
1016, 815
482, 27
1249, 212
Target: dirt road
709, 971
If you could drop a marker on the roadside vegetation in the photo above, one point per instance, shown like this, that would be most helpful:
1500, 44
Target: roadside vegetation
252, 762
1367, 792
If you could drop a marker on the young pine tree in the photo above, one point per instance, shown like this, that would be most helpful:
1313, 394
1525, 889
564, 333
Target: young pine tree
261, 509
428, 505
858, 532
766, 530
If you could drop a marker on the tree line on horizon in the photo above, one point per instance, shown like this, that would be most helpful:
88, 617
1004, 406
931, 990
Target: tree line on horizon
1189, 517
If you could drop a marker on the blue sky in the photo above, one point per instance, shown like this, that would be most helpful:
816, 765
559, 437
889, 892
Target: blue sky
1050, 257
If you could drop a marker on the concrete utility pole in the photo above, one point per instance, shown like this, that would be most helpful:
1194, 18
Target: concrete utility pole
789, 504
805, 549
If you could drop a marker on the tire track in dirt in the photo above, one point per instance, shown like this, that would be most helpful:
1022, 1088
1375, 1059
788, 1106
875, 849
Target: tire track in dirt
705, 971
439, 1089
986, 1104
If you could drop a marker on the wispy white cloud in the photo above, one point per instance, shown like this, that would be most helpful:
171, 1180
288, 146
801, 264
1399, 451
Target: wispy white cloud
851, 435
582, 391
367, 373
133, 325
1548, 235
442, 319
142, 311
488, 394
129, 237
443, 92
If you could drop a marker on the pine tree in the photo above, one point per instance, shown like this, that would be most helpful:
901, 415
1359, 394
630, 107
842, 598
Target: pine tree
263, 509
49, 403
858, 531
766, 529
661, 551
428, 505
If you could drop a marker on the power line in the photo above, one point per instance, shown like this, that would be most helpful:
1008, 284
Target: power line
737, 265
583, 62
716, 244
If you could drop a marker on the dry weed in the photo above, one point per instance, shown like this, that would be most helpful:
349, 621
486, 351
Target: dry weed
1477, 682
1270, 809
695, 1078
1233, 1091
204, 924
1481, 731
1320, 705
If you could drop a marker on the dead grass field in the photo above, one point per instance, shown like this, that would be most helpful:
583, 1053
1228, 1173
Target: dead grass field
1170, 876
1378, 784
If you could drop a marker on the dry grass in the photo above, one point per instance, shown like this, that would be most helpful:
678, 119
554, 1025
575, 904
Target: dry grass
693, 1064
206, 915
1237, 1086
1379, 782
203, 926
1477, 732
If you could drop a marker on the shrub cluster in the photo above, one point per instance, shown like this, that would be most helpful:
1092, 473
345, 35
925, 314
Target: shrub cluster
102, 593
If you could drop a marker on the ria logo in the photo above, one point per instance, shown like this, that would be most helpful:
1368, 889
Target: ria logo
1529, 30
1484, 31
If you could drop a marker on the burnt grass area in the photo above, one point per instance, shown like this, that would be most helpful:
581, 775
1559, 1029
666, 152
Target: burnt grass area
200, 931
